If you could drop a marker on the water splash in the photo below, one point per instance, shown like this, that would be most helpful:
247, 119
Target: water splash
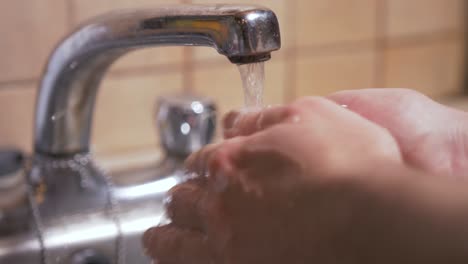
253, 78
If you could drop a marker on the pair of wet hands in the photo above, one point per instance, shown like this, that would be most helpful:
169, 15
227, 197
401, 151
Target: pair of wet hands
281, 187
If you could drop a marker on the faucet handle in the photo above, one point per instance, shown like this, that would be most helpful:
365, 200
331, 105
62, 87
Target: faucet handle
186, 123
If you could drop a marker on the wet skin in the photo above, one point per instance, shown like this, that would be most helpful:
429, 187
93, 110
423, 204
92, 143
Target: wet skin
313, 181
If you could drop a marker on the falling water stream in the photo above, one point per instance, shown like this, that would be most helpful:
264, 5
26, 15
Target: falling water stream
253, 77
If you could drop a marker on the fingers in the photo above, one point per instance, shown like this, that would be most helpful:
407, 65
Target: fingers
248, 123
322, 112
376, 105
384, 106
197, 162
243, 124
170, 244
186, 208
405, 113
354, 98
349, 98
328, 116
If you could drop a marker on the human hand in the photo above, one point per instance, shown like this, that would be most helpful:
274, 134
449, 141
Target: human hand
432, 137
283, 188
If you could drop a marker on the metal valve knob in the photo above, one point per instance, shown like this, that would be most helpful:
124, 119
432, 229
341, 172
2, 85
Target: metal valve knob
186, 123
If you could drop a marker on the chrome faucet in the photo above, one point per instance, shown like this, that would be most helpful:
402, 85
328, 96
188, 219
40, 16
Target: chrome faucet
79, 214
244, 34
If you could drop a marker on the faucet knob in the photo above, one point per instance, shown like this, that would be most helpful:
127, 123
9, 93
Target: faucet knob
186, 123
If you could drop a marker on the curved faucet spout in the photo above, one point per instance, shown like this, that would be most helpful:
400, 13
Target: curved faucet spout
68, 89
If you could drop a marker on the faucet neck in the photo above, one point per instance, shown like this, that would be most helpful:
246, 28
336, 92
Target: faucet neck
69, 86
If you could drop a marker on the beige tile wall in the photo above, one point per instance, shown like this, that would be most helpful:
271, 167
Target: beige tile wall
328, 45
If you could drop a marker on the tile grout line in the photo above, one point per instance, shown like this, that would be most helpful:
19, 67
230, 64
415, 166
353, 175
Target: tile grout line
27, 83
424, 37
290, 80
187, 64
71, 15
187, 70
381, 20
291, 54
30, 83
343, 47
146, 69
336, 48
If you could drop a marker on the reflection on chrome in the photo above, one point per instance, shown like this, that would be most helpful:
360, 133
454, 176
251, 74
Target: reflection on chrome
152, 188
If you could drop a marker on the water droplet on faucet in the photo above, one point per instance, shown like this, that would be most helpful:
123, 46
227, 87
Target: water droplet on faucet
197, 107
57, 115
73, 65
